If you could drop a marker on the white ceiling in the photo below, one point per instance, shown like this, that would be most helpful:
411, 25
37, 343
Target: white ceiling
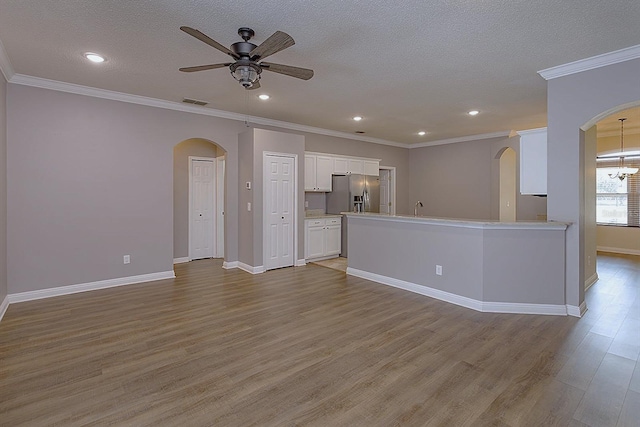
403, 66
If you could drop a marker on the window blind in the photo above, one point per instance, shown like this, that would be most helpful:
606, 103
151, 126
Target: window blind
617, 202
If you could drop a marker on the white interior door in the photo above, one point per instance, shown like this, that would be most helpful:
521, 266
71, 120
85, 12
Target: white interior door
384, 191
202, 213
279, 196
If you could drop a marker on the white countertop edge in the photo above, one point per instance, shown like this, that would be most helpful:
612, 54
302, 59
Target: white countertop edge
462, 223
323, 216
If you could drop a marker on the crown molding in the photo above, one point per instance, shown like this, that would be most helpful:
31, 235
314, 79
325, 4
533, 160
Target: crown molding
5, 64
531, 131
39, 82
609, 58
462, 139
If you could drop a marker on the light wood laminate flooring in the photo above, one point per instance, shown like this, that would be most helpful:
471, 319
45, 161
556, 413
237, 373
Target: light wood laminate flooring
312, 346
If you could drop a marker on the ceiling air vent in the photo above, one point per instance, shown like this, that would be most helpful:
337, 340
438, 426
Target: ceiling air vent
194, 102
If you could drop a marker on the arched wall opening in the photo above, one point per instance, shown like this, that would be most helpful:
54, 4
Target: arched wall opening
575, 103
508, 185
182, 152
625, 207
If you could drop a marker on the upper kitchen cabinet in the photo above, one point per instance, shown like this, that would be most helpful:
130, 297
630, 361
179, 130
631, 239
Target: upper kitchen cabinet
533, 161
317, 172
372, 167
347, 166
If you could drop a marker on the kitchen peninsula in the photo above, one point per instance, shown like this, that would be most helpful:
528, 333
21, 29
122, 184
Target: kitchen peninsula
505, 267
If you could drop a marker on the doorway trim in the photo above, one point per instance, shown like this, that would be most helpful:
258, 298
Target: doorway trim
265, 154
392, 187
215, 209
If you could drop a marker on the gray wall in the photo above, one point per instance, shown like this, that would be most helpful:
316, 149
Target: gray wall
277, 142
3, 188
462, 180
492, 265
91, 180
575, 103
390, 156
245, 218
590, 236
181, 152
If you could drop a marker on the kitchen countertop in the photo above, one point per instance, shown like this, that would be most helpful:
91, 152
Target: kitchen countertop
463, 223
318, 216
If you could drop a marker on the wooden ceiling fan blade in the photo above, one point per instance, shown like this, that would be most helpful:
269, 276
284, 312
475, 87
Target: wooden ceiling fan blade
208, 40
288, 70
203, 67
275, 43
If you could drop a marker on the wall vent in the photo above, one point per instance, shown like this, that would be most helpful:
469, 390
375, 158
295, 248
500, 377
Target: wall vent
194, 102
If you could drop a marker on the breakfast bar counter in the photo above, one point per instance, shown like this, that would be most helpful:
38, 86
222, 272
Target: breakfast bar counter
508, 267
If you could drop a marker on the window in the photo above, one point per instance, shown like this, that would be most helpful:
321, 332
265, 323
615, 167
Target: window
617, 202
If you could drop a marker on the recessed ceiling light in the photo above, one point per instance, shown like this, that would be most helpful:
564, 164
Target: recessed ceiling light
357, 118
94, 57
422, 133
264, 97
473, 112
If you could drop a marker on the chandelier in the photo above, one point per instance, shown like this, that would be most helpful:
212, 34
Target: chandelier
622, 172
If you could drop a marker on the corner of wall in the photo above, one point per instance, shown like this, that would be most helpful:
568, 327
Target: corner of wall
3, 195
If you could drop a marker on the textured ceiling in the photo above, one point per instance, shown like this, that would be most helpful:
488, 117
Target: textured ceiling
403, 66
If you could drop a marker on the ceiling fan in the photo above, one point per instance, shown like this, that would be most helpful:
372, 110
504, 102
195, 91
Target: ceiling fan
247, 69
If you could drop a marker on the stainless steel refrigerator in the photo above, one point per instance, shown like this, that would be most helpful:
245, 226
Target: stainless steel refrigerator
353, 193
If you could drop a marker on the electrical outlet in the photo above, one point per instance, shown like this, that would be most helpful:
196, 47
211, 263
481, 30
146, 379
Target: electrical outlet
248, 206
306, 203
126, 259
439, 270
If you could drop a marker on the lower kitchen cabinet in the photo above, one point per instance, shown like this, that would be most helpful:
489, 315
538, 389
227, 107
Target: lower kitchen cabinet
322, 238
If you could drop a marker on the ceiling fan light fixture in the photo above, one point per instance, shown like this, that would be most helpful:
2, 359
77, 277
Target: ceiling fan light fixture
357, 118
474, 112
246, 74
422, 133
264, 96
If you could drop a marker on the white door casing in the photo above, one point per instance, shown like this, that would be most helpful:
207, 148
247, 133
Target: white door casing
279, 175
384, 191
390, 183
220, 171
201, 207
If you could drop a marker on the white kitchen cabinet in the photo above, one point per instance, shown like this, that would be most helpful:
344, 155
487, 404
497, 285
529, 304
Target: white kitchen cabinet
322, 238
340, 165
533, 161
347, 166
317, 172
372, 167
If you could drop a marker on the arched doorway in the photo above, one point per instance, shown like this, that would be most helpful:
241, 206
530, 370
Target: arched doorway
617, 200
508, 185
208, 156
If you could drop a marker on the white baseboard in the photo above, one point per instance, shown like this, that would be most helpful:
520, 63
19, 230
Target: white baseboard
250, 269
92, 286
181, 260
322, 258
4, 306
483, 306
301, 263
624, 251
576, 311
229, 265
590, 281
